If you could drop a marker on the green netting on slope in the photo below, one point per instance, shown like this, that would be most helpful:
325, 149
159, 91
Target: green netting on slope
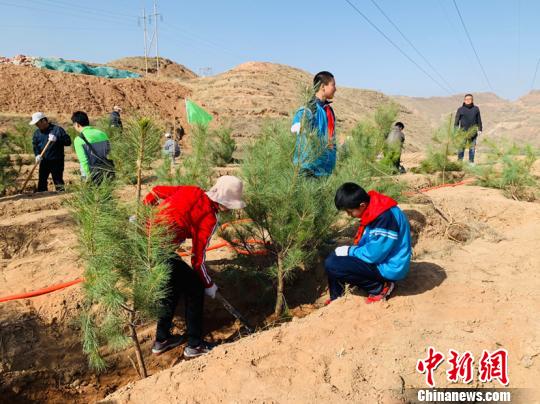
81, 68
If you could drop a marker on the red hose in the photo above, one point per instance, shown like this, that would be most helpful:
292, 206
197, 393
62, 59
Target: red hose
40, 291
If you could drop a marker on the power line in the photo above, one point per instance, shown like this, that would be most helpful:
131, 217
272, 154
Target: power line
472, 46
535, 72
412, 45
454, 29
65, 12
396, 46
156, 33
86, 9
206, 42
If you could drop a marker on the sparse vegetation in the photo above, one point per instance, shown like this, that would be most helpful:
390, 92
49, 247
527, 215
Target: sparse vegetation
8, 174
20, 137
222, 146
195, 168
447, 140
510, 168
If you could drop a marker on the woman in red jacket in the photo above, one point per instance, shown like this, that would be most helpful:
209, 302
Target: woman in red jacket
190, 212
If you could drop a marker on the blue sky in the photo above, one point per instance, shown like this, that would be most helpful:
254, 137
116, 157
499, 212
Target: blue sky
312, 35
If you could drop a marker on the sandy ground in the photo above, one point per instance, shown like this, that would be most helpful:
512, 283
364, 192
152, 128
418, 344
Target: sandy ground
482, 294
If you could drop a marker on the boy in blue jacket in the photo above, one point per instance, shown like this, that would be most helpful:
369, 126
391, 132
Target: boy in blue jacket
381, 253
316, 156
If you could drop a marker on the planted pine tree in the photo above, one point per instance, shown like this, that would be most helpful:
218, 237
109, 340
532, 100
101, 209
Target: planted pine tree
509, 167
139, 138
222, 146
20, 137
366, 142
446, 142
292, 213
125, 272
195, 168
359, 158
126, 268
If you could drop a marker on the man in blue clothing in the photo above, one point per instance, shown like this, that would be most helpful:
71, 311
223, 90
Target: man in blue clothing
381, 252
52, 162
316, 157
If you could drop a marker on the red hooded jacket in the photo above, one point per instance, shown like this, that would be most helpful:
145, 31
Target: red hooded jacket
190, 213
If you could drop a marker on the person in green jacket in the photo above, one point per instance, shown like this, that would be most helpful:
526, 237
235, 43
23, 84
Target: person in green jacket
99, 140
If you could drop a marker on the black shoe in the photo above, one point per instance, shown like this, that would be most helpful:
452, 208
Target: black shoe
172, 342
193, 352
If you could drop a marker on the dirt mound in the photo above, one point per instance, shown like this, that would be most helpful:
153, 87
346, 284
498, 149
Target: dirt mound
462, 297
167, 68
252, 91
24, 90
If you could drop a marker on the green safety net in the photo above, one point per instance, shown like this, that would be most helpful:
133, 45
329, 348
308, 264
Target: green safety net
81, 68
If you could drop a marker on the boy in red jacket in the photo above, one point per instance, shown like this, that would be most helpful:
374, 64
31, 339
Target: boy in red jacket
190, 212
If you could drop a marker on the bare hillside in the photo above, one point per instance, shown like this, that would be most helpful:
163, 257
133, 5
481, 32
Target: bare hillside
24, 90
502, 119
167, 68
253, 91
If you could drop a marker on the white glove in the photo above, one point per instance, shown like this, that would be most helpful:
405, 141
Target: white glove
52, 138
479, 132
211, 291
342, 251
38, 158
132, 219
296, 128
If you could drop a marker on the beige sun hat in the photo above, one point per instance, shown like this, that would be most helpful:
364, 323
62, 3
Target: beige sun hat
228, 192
36, 117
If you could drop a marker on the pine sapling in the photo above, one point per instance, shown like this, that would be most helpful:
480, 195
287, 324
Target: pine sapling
291, 212
446, 142
125, 274
222, 146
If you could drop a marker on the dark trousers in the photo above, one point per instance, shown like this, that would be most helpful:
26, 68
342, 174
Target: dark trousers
184, 280
471, 143
354, 271
54, 168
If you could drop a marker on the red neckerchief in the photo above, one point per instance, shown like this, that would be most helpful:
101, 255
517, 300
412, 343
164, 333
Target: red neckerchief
331, 125
378, 204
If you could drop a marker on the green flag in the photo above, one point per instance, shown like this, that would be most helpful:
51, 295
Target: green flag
196, 115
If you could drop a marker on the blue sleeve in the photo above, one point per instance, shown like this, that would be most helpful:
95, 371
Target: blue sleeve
35, 144
382, 237
63, 137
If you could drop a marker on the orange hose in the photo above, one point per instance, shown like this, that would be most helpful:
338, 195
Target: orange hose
40, 291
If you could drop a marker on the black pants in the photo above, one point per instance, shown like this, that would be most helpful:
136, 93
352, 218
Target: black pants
56, 169
354, 271
184, 280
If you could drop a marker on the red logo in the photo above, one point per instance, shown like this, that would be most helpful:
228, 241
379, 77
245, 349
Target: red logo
429, 364
461, 367
492, 366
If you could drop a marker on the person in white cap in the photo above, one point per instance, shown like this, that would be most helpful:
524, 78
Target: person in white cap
171, 148
114, 119
52, 161
190, 212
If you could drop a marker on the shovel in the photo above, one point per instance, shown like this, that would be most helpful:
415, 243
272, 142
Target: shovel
234, 312
34, 168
